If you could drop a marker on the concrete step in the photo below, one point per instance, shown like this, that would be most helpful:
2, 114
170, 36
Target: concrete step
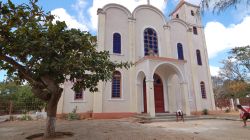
171, 117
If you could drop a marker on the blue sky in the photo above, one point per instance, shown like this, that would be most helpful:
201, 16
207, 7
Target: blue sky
224, 31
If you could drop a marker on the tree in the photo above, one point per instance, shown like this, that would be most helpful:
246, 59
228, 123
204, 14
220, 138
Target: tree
20, 95
237, 65
44, 53
242, 55
222, 5
234, 75
231, 70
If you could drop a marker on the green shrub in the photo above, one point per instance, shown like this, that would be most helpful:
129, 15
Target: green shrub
205, 112
26, 117
73, 115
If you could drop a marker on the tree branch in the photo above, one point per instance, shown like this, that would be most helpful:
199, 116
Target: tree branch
18, 67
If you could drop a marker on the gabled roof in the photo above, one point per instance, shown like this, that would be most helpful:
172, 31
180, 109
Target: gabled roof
180, 4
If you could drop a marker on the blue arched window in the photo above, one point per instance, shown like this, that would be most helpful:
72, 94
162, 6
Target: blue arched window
198, 55
180, 51
116, 43
150, 42
116, 85
203, 90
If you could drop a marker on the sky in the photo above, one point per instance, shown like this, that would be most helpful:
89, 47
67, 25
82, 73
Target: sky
223, 31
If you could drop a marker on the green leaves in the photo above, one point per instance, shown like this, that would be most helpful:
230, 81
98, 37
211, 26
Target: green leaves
40, 48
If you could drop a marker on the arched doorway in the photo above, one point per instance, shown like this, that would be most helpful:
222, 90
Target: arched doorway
158, 95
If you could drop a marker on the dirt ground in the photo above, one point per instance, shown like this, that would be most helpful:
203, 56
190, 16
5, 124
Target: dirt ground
129, 129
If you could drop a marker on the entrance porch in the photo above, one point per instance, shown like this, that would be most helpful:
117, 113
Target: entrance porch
161, 86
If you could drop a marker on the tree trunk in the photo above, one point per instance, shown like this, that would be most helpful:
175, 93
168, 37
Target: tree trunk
51, 115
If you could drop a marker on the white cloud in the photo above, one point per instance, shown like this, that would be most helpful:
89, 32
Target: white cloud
130, 4
214, 70
62, 15
219, 37
196, 2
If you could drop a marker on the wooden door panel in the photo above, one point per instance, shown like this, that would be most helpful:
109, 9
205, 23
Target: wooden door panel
159, 98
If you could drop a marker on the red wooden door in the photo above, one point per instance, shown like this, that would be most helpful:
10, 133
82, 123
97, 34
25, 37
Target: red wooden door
159, 98
158, 94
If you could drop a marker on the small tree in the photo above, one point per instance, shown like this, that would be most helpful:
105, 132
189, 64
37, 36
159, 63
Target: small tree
47, 54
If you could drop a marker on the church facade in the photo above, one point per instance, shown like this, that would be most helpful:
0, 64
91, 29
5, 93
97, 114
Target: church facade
171, 68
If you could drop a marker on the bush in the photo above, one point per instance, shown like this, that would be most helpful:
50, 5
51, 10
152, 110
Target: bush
26, 117
227, 110
205, 112
73, 115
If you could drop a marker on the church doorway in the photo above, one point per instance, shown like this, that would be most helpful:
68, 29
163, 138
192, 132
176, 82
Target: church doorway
158, 95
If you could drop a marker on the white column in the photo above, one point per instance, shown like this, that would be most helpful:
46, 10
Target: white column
184, 92
101, 30
132, 72
171, 99
98, 96
168, 52
97, 100
150, 97
139, 97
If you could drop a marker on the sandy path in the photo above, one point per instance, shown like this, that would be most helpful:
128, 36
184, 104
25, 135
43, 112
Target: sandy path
128, 130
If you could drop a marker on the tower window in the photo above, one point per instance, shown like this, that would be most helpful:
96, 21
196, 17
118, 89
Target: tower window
180, 51
192, 12
150, 42
203, 90
198, 55
177, 15
195, 30
116, 43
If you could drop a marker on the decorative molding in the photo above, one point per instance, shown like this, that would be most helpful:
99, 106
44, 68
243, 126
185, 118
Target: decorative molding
100, 11
166, 26
131, 19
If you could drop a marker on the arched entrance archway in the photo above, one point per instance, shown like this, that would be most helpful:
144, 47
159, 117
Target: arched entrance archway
158, 95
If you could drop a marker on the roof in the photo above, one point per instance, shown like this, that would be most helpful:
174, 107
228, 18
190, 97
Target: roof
179, 5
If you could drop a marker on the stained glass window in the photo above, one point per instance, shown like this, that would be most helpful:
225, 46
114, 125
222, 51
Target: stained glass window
116, 43
150, 42
203, 90
198, 54
116, 85
180, 51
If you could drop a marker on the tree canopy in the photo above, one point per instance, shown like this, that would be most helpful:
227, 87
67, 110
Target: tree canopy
234, 75
35, 48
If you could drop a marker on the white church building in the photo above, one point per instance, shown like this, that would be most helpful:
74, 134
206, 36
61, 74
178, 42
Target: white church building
171, 68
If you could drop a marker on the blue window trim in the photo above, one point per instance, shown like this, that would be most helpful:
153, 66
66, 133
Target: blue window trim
198, 54
180, 51
117, 43
116, 85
